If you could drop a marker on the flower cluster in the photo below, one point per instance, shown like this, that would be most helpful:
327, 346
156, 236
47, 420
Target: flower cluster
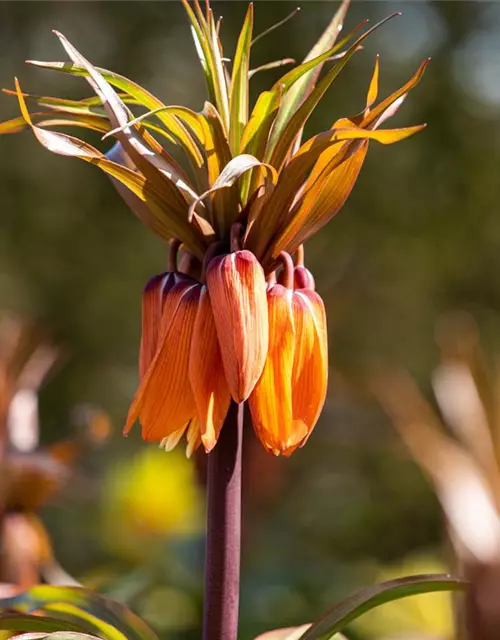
235, 318
235, 336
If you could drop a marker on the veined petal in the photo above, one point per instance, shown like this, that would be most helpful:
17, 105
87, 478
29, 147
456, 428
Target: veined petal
164, 402
151, 316
170, 442
206, 374
310, 367
153, 299
237, 289
271, 403
193, 437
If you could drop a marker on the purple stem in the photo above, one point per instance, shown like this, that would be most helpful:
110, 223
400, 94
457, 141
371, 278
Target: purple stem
222, 563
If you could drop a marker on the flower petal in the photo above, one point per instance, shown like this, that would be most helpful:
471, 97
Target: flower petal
164, 402
206, 374
237, 289
193, 437
310, 367
271, 400
151, 316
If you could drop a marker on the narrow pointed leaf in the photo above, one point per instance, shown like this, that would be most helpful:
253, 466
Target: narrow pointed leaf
136, 92
373, 88
354, 606
275, 64
53, 118
163, 172
118, 617
303, 87
175, 223
236, 168
289, 132
211, 61
377, 111
26, 622
239, 83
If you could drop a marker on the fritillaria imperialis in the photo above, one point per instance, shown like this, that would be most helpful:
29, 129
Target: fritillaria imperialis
234, 318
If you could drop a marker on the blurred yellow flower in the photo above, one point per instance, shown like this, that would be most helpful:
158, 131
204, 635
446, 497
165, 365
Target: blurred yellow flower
425, 616
151, 498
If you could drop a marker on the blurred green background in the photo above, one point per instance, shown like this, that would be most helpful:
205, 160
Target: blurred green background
420, 235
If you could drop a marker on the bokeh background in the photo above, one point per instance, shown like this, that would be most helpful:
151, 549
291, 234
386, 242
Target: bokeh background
419, 236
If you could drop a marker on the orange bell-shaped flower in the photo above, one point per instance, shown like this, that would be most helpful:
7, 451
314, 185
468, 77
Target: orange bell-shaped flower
288, 398
237, 289
310, 367
206, 374
164, 402
271, 402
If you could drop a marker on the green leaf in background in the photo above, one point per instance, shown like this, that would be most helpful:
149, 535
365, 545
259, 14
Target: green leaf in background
74, 608
354, 606
27, 622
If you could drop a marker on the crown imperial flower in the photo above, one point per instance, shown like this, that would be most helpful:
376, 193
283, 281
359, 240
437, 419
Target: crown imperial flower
234, 318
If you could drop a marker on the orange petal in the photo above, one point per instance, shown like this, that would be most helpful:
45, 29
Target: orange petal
271, 401
151, 316
310, 367
193, 437
206, 374
164, 402
170, 442
237, 289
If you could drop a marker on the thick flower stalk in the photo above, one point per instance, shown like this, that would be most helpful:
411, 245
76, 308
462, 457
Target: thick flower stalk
234, 319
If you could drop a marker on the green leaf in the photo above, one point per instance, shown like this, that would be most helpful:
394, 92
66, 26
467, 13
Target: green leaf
305, 84
238, 103
26, 622
83, 610
297, 121
354, 606
164, 213
145, 153
209, 51
137, 93
236, 168
275, 64
53, 118
256, 134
